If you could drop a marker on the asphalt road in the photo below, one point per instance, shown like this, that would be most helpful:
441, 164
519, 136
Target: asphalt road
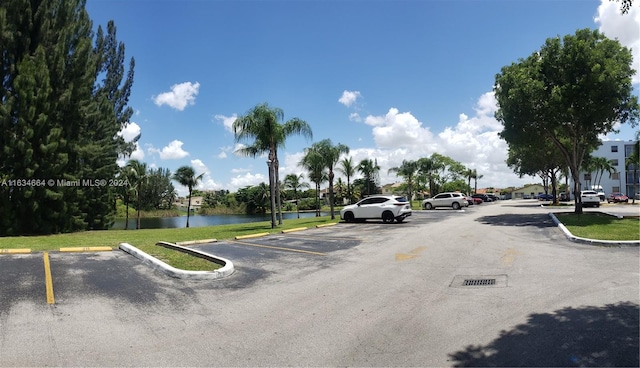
366, 294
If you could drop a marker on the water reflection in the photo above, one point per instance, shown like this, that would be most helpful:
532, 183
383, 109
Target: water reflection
199, 221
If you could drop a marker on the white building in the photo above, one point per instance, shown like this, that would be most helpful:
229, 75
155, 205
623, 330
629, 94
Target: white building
620, 181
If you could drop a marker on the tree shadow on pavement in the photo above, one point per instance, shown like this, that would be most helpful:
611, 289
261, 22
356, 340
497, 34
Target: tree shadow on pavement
536, 220
588, 336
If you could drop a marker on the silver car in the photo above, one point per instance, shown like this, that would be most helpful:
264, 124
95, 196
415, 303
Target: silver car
448, 199
384, 207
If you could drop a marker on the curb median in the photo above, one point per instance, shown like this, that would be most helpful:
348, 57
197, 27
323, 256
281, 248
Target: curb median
577, 239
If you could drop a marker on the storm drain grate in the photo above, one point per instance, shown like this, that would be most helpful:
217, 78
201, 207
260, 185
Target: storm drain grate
478, 282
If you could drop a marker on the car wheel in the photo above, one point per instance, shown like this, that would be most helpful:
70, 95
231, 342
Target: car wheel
428, 206
456, 205
387, 217
597, 205
399, 219
349, 217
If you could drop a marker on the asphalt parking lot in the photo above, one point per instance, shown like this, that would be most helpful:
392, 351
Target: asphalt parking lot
358, 294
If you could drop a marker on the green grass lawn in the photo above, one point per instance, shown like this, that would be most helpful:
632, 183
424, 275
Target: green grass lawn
601, 226
145, 239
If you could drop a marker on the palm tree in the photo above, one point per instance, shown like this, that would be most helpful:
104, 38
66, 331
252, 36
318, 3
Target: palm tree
469, 174
261, 128
313, 162
369, 169
330, 155
408, 170
185, 175
126, 192
294, 182
138, 173
349, 170
476, 177
602, 165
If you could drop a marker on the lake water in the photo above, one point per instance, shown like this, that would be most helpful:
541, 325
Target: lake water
198, 221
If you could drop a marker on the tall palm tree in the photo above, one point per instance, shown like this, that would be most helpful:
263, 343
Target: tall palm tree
469, 174
126, 191
476, 177
138, 173
633, 162
408, 170
313, 162
294, 182
369, 169
260, 127
330, 156
186, 175
602, 165
348, 168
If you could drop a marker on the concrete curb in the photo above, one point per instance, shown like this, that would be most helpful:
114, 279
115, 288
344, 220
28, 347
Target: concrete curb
85, 249
226, 270
325, 225
258, 235
194, 242
606, 243
15, 251
293, 230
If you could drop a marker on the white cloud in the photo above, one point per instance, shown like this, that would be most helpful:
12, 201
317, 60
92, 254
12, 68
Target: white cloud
349, 97
473, 141
130, 131
207, 182
241, 181
227, 121
355, 117
172, 151
624, 27
222, 154
180, 96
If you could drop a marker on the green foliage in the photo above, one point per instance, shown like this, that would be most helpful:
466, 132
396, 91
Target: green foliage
569, 93
58, 119
255, 198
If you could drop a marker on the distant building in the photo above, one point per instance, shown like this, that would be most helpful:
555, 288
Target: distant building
182, 203
528, 191
620, 181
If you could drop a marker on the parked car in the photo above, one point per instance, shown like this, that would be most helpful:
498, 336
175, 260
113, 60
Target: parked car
493, 197
484, 197
590, 198
473, 201
384, 207
637, 196
545, 197
447, 199
617, 197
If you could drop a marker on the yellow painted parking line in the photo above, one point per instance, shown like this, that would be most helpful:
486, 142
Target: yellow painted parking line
48, 281
295, 229
325, 225
239, 237
194, 242
15, 251
279, 248
86, 249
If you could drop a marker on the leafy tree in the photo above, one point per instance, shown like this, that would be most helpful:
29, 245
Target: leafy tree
260, 127
537, 158
57, 121
427, 169
348, 169
313, 162
186, 176
570, 92
330, 156
295, 183
126, 192
159, 192
369, 169
408, 170
256, 198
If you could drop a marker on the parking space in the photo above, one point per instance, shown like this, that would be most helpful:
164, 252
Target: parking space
23, 280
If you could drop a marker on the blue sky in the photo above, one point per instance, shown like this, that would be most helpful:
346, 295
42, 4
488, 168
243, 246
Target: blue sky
392, 80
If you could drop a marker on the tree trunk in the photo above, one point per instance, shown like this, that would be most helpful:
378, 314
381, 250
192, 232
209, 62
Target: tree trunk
189, 208
331, 194
276, 176
126, 221
272, 199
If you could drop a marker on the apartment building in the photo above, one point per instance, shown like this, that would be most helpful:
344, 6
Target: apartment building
620, 181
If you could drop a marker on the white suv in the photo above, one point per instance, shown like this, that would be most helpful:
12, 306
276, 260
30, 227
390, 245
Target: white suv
448, 199
589, 198
385, 207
